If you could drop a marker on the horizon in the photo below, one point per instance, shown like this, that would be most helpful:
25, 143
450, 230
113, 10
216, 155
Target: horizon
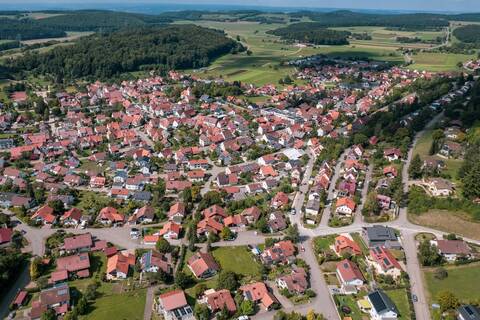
158, 6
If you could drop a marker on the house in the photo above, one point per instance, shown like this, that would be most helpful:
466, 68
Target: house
378, 235
384, 262
78, 264
252, 214
282, 252
44, 215
173, 306
382, 306
97, 182
72, 217
345, 206
344, 244
439, 187
236, 221
5, 236
258, 292
153, 261
276, 222
451, 149
118, 265
468, 312
390, 172
384, 201
349, 274
392, 154
177, 212
145, 214
110, 216
451, 250
218, 300
209, 225
203, 265
296, 282
78, 243
170, 230
312, 207
56, 298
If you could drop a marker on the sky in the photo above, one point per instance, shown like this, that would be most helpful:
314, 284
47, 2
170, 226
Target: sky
410, 5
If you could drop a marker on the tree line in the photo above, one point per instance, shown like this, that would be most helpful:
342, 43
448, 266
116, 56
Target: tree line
102, 56
311, 32
26, 29
468, 33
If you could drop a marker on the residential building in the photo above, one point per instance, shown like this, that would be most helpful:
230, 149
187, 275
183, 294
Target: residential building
173, 306
382, 306
203, 265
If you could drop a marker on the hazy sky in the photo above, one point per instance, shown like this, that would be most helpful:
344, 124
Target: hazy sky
421, 5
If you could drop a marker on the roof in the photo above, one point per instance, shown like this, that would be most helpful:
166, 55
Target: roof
76, 242
349, 271
384, 258
381, 302
220, 299
55, 295
346, 202
173, 300
469, 312
201, 262
453, 247
380, 233
258, 292
120, 262
344, 243
5, 235
74, 263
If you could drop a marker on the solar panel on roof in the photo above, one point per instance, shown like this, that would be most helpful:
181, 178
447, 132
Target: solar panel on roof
377, 301
386, 261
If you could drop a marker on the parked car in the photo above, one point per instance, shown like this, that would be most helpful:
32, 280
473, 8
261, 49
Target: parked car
414, 298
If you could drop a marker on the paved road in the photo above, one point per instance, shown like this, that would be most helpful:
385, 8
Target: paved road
422, 311
331, 189
300, 195
368, 177
147, 313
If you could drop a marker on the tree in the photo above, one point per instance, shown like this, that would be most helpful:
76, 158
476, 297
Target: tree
82, 306
247, 308
471, 182
360, 138
49, 315
163, 246
292, 233
227, 280
91, 291
35, 266
441, 273
182, 280
447, 301
415, 169
226, 233
201, 311
428, 254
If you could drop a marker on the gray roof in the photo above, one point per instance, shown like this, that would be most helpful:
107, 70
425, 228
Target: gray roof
381, 302
380, 233
469, 312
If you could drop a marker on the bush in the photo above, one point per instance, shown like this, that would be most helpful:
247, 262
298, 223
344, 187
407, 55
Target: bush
441, 273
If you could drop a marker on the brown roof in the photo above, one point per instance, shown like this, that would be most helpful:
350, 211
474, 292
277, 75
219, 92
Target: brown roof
349, 270
77, 242
453, 247
74, 263
220, 299
173, 300
201, 262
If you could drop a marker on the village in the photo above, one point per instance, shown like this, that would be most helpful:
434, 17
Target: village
199, 203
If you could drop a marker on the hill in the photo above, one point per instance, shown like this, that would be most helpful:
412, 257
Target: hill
468, 33
102, 56
27, 29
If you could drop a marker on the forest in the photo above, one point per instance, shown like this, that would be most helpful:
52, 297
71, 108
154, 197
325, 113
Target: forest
468, 33
102, 56
314, 33
26, 29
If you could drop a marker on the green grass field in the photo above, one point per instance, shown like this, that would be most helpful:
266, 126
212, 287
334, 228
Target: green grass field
434, 61
350, 302
237, 259
460, 281
400, 299
129, 305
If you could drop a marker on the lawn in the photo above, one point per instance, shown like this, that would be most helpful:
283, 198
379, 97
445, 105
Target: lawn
358, 239
460, 281
128, 306
350, 302
400, 299
237, 259
321, 244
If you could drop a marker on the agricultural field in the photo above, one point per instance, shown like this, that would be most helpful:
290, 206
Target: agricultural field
438, 62
385, 37
460, 223
73, 35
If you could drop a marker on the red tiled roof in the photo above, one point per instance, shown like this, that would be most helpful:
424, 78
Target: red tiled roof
173, 300
349, 271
